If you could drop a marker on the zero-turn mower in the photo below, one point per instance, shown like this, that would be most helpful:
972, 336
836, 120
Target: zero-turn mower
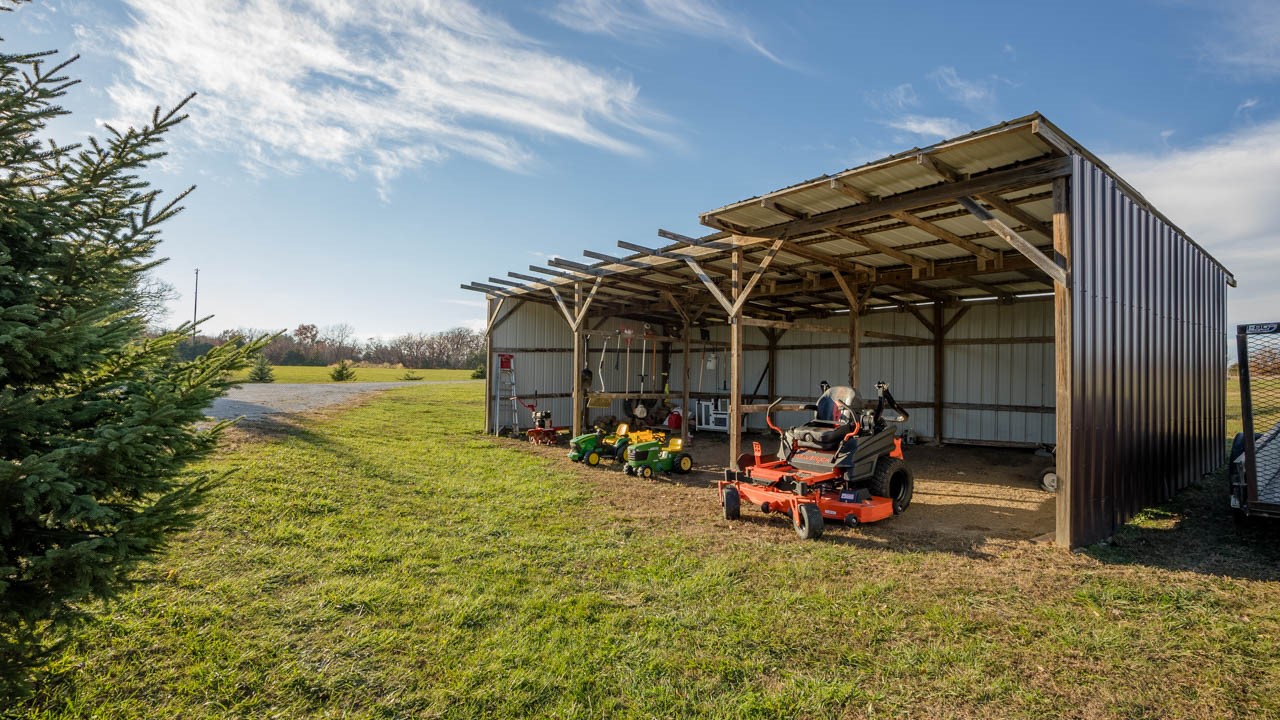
844, 466
649, 458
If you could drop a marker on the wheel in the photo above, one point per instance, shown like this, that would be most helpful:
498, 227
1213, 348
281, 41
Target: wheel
893, 480
850, 520
593, 458
684, 464
808, 521
646, 472
732, 503
628, 469
1049, 480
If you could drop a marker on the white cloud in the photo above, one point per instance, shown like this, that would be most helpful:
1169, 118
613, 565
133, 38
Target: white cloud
700, 18
938, 127
366, 87
978, 96
1246, 105
1223, 194
1248, 40
898, 99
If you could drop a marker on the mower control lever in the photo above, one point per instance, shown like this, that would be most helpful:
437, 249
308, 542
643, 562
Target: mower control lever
768, 416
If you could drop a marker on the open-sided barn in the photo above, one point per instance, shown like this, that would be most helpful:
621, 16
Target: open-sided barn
1007, 284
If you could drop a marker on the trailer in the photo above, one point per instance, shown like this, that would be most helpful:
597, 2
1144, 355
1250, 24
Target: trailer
1254, 470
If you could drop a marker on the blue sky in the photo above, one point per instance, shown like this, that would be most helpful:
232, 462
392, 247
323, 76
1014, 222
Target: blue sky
357, 159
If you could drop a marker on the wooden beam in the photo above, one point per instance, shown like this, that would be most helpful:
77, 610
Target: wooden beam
918, 263
857, 269
781, 209
564, 310
1042, 130
755, 277
1035, 173
961, 312
711, 286
1032, 222
487, 289
937, 167
579, 356
687, 414
939, 374
1032, 253
851, 192
1064, 363
735, 364
582, 307
983, 254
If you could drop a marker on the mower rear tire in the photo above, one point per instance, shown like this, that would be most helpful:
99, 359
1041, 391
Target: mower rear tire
808, 521
593, 458
684, 464
646, 472
732, 503
629, 469
893, 480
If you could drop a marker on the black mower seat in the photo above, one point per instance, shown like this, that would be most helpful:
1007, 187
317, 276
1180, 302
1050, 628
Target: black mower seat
819, 435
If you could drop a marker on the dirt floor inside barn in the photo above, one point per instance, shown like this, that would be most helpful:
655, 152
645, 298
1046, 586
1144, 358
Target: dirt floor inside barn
964, 496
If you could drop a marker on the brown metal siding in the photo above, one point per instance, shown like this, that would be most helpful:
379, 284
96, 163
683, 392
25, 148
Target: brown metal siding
1149, 361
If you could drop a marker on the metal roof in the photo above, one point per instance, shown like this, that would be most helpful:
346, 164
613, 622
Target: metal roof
898, 225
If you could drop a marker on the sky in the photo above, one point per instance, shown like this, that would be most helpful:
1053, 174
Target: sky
356, 160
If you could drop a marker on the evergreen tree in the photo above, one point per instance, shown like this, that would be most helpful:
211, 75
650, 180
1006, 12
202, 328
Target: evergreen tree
260, 371
342, 371
96, 418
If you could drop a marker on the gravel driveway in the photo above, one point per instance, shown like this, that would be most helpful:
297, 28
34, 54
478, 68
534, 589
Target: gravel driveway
259, 400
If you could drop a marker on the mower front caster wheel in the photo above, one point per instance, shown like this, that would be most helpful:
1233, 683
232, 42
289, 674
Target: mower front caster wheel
646, 472
808, 522
593, 458
732, 503
628, 470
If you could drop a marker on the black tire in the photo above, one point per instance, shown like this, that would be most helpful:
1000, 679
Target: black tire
1049, 480
808, 522
628, 469
894, 480
684, 464
732, 503
593, 458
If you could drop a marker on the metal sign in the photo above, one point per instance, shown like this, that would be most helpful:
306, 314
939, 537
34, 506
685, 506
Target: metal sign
1260, 328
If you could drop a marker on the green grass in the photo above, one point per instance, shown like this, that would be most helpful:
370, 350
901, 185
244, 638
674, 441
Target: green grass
311, 374
1266, 404
391, 562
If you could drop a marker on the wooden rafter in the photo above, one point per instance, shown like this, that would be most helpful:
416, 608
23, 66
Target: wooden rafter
1031, 221
984, 254
931, 163
1019, 243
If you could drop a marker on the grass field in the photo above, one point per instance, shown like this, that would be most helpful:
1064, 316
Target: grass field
390, 562
311, 374
1266, 404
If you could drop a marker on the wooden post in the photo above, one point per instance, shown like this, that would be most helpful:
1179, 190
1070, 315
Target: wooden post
687, 413
735, 365
855, 347
1063, 360
488, 370
772, 375
939, 371
578, 361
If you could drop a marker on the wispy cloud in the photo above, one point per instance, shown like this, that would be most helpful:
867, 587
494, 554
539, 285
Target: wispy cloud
700, 18
1246, 105
899, 98
1222, 193
976, 95
367, 87
935, 127
1248, 39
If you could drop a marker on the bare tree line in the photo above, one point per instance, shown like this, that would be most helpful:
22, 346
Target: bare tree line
310, 344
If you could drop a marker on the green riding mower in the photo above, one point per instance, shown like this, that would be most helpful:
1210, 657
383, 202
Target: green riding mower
649, 458
594, 447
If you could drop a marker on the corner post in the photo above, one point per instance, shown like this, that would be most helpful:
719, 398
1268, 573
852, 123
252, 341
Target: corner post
1063, 361
578, 362
939, 371
735, 365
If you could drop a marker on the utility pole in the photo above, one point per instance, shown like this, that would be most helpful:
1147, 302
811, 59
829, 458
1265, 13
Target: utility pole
195, 309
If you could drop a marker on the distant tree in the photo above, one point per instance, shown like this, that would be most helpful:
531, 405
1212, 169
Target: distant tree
478, 373
307, 335
343, 371
260, 371
97, 417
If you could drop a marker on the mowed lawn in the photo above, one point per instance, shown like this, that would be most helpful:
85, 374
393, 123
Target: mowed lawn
316, 374
391, 562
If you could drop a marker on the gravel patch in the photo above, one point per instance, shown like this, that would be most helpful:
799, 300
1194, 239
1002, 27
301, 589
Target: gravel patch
259, 400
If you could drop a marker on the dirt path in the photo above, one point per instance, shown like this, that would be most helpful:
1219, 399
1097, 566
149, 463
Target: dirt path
259, 400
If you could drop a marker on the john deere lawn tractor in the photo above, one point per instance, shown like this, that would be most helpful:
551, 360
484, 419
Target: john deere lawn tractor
593, 447
648, 458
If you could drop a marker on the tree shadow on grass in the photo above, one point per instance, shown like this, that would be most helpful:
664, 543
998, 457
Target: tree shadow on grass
1197, 532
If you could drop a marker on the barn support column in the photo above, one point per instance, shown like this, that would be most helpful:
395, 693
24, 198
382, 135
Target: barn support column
939, 372
686, 415
1063, 360
856, 301
735, 363
495, 305
576, 319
